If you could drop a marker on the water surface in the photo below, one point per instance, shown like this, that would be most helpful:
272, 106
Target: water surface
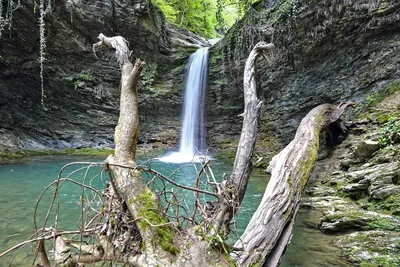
21, 184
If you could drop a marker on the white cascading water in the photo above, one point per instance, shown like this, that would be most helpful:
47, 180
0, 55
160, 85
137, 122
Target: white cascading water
192, 138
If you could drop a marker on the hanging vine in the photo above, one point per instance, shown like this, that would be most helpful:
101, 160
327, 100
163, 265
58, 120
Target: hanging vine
6, 18
43, 11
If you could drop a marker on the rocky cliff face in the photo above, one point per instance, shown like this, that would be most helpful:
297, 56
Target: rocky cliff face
81, 91
326, 52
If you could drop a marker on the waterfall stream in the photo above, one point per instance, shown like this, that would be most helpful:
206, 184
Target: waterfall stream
192, 139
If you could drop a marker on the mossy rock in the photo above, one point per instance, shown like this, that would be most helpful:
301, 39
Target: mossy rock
380, 105
371, 248
7, 155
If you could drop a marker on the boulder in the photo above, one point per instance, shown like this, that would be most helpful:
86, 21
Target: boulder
366, 148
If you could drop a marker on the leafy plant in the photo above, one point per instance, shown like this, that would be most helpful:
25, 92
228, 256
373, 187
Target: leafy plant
390, 132
204, 17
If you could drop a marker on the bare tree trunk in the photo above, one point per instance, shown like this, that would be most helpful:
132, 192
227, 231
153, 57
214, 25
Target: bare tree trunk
242, 166
140, 200
270, 229
161, 243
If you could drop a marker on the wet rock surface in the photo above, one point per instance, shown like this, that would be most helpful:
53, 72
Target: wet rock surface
326, 51
376, 248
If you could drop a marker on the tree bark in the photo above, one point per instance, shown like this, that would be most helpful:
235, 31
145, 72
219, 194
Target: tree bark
242, 166
270, 229
127, 131
161, 243
138, 198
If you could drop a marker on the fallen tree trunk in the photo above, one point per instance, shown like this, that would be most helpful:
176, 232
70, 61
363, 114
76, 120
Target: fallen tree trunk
270, 229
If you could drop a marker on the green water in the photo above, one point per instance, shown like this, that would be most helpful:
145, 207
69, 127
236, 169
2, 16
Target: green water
21, 184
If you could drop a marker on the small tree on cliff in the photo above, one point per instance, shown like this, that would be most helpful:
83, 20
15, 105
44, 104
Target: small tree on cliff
137, 226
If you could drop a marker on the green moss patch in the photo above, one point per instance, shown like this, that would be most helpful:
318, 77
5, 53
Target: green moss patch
381, 105
8, 155
164, 235
371, 248
390, 205
383, 224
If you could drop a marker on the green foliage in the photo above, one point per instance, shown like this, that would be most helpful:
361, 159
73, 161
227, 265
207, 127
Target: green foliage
203, 17
228, 12
194, 15
169, 11
390, 132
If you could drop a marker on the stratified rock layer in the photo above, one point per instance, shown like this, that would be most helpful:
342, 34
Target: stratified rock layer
327, 51
81, 91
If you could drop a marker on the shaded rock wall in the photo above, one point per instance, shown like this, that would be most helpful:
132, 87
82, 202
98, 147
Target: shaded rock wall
326, 52
82, 95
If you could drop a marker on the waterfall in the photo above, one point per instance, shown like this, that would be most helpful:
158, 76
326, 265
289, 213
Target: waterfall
192, 139
192, 136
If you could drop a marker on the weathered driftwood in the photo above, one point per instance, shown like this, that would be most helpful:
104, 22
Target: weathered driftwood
243, 165
127, 131
270, 229
126, 135
42, 254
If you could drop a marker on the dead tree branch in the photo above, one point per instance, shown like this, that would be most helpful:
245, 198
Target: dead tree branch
252, 105
236, 187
